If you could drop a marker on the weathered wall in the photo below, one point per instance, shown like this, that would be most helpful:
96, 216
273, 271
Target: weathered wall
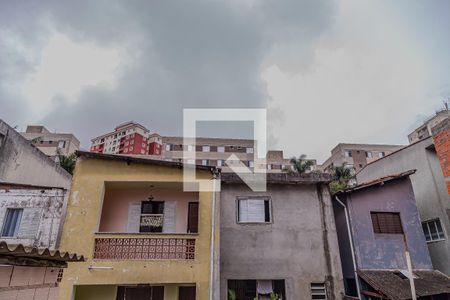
20, 162
387, 251
37, 283
82, 221
429, 187
300, 245
441, 138
43, 208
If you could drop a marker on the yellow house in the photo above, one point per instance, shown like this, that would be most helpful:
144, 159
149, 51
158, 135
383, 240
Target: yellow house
142, 236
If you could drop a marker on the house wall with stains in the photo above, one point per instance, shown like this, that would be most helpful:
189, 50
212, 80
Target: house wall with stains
299, 245
42, 210
386, 251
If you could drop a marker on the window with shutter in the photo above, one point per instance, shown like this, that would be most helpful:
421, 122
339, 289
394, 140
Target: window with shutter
386, 222
30, 223
192, 217
134, 215
254, 210
12, 222
169, 213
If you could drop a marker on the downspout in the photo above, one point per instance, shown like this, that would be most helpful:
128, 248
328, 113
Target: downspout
352, 249
212, 288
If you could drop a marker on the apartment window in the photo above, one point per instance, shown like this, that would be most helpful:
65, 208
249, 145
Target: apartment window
113, 148
220, 162
205, 148
269, 167
251, 164
254, 210
348, 153
205, 162
61, 144
169, 147
12, 222
433, 230
369, 154
102, 140
249, 150
221, 149
381, 154
318, 291
50, 142
386, 222
115, 136
190, 148
151, 219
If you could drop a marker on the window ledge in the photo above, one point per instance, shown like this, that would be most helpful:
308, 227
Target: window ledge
434, 241
145, 233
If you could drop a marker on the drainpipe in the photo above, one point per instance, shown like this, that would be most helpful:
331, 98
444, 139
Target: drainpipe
352, 249
212, 276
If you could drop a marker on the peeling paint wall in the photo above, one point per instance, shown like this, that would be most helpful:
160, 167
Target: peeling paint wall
21, 162
299, 245
42, 211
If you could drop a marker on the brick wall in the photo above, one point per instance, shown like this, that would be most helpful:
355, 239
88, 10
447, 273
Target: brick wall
441, 138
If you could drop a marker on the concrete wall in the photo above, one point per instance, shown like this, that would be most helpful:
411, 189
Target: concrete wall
387, 251
37, 283
429, 189
299, 246
83, 218
20, 162
43, 209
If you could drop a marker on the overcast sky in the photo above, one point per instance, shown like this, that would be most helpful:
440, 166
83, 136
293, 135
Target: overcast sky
327, 71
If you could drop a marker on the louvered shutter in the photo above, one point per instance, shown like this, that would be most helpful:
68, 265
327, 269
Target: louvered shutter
169, 225
134, 215
243, 210
29, 224
255, 210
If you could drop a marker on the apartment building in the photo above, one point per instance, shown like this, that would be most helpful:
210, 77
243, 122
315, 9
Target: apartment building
424, 130
356, 156
142, 235
134, 139
51, 143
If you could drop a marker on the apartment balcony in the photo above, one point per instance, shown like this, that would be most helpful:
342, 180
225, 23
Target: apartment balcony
147, 221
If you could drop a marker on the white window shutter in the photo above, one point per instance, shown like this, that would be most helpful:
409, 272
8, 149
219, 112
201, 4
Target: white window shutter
134, 217
29, 224
243, 210
169, 221
256, 210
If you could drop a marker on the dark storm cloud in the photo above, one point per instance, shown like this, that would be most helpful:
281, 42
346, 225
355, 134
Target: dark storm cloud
181, 54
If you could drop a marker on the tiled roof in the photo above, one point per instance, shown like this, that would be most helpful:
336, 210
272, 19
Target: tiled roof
388, 283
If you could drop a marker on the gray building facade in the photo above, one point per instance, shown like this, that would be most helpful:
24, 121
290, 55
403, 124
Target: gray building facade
282, 240
430, 192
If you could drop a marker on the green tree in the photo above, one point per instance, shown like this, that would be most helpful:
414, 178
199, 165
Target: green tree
341, 177
299, 165
36, 140
67, 162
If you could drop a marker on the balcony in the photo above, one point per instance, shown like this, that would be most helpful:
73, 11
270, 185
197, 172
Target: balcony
147, 221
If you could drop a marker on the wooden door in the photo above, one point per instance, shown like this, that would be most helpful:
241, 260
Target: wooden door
192, 217
186, 293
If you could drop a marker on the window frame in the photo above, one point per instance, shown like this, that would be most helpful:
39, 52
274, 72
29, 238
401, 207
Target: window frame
264, 198
434, 221
390, 213
17, 225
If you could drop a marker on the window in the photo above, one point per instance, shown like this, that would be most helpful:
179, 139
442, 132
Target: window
249, 150
381, 154
433, 230
220, 162
348, 153
152, 213
190, 148
269, 167
257, 289
61, 144
221, 149
168, 147
205, 162
318, 291
191, 161
251, 163
386, 222
12, 222
254, 210
205, 148
369, 154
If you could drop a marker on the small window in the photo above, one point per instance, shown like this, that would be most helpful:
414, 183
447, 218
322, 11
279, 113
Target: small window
190, 148
205, 148
269, 167
168, 147
318, 291
254, 210
381, 154
220, 162
348, 153
205, 162
61, 144
251, 164
433, 230
12, 222
369, 154
249, 150
221, 149
386, 222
